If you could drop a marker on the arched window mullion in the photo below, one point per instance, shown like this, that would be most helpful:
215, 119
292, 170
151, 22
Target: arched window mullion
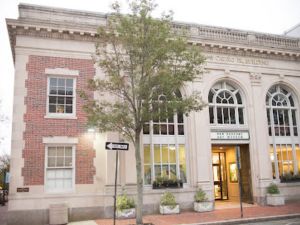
274, 143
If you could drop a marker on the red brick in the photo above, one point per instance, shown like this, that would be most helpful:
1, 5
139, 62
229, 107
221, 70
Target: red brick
38, 127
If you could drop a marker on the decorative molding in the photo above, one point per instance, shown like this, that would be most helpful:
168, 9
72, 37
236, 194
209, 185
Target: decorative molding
70, 24
245, 53
61, 72
227, 73
60, 140
255, 78
281, 76
206, 46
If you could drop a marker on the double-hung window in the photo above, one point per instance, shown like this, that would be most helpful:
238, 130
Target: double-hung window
61, 96
59, 168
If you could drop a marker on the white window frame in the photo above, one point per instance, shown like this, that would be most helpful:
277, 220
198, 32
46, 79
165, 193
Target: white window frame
54, 191
176, 140
61, 115
214, 105
285, 140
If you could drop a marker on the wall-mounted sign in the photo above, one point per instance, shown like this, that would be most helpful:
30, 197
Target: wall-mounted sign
23, 189
229, 135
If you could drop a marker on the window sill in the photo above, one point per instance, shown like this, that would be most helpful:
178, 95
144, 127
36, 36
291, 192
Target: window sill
59, 192
60, 116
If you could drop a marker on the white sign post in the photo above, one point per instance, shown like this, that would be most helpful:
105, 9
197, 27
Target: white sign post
116, 146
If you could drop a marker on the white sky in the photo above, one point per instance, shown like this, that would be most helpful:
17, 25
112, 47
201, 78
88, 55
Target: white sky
270, 16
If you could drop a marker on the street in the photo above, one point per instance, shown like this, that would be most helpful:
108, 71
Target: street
295, 221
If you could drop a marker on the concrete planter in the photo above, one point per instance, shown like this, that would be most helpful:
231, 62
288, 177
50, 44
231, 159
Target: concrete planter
126, 213
166, 209
275, 199
203, 206
58, 214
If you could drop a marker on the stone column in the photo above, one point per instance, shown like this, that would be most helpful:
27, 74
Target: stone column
201, 146
259, 140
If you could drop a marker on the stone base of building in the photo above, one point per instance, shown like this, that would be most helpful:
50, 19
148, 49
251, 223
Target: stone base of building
41, 217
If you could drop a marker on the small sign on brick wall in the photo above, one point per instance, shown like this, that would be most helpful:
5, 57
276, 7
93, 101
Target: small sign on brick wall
23, 189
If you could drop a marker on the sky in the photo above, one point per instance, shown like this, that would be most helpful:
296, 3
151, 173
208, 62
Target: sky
268, 16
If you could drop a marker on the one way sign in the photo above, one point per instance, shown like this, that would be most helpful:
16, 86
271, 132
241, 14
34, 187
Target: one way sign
116, 146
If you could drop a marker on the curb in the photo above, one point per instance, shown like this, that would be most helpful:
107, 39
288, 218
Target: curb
248, 220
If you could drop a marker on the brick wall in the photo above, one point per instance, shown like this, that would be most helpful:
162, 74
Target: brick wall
38, 127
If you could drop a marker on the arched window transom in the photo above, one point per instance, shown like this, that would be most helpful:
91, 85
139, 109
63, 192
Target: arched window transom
225, 104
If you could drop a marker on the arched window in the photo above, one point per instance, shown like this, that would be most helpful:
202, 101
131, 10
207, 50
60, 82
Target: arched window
282, 127
164, 144
225, 104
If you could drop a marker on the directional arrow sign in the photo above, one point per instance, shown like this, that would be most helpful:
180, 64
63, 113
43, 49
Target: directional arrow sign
116, 146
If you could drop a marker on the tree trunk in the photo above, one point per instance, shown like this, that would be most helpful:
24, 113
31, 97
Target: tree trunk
139, 180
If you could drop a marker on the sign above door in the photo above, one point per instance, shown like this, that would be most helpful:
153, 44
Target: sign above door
229, 135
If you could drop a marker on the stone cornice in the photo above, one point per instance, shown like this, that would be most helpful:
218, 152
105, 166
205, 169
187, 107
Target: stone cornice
57, 23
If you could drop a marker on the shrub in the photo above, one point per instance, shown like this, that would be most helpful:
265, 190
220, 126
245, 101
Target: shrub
273, 189
168, 199
200, 196
124, 202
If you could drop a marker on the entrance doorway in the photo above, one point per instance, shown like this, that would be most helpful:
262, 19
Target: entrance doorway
220, 178
225, 173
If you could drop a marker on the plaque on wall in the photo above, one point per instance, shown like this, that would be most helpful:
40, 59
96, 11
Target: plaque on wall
23, 189
229, 135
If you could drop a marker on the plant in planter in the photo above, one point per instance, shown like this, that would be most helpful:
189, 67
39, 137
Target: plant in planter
273, 195
165, 182
125, 207
168, 204
202, 204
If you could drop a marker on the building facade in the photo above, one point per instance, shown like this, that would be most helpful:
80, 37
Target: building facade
251, 82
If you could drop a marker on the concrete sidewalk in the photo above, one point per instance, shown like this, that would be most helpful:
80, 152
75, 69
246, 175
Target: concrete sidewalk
3, 214
218, 216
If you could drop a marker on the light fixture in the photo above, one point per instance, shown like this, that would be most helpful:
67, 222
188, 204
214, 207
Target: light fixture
91, 130
172, 147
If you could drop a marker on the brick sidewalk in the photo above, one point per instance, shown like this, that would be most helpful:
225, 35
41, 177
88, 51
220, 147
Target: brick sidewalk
214, 216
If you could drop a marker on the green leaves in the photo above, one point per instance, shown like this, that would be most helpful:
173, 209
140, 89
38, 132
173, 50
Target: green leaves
142, 58
124, 202
168, 199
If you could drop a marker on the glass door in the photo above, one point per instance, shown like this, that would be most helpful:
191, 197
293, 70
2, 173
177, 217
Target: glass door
220, 178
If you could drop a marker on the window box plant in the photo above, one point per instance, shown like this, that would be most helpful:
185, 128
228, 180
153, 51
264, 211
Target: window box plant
202, 204
164, 182
289, 178
168, 204
273, 195
125, 207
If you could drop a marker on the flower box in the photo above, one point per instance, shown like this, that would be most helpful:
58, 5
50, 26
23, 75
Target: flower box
167, 209
203, 206
167, 184
125, 213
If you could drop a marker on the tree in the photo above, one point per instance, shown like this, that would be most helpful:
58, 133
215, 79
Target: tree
145, 63
3, 120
